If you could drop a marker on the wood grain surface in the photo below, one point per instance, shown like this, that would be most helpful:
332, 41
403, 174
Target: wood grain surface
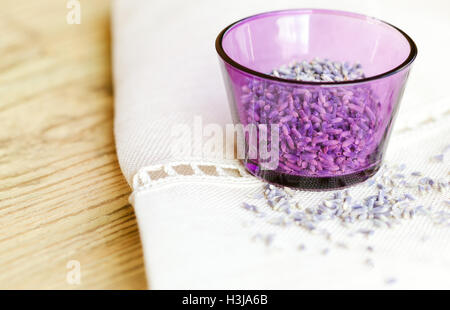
62, 194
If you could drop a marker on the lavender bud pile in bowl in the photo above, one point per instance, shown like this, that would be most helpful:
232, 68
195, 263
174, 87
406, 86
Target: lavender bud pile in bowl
315, 92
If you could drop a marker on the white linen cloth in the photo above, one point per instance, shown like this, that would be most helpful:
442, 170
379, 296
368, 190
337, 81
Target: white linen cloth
195, 233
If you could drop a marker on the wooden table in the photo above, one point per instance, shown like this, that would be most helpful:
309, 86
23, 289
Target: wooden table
62, 194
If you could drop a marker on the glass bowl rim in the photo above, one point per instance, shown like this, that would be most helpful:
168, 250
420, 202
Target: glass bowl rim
406, 63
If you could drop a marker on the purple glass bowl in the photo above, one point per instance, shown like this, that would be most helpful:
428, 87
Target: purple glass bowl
330, 134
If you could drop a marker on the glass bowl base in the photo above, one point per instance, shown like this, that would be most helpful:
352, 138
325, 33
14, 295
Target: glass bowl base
311, 183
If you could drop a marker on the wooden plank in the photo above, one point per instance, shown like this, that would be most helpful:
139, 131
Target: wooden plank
62, 195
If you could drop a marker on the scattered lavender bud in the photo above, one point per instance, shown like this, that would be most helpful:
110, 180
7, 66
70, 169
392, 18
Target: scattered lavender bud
438, 158
325, 251
410, 197
385, 206
390, 281
370, 182
366, 232
421, 210
442, 184
269, 239
250, 207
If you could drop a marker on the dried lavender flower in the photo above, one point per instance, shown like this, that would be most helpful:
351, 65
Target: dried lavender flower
390, 281
323, 133
438, 158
